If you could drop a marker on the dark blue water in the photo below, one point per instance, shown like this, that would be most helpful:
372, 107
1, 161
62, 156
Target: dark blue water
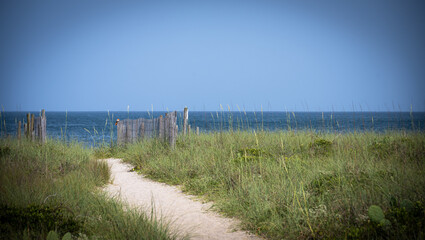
96, 127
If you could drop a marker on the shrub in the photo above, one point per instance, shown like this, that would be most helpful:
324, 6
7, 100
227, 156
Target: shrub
321, 147
40, 219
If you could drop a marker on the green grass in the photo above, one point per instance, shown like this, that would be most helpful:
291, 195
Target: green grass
287, 185
57, 187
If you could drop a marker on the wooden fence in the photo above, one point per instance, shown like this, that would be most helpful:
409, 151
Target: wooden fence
164, 128
34, 128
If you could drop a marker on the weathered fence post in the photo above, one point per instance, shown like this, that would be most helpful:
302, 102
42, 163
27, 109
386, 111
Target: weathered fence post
35, 127
27, 126
176, 130
32, 127
43, 127
169, 128
188, 130
172, 129
134, 132
197, 131
185, 118
120, 132
166, 127
36, 133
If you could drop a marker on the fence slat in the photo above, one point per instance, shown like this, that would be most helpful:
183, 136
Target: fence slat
165, 120
27, 126
32, 127
142, 130
173, 129
119, 132
37, 124
161, 128
43, 126
128, 130
134, 129
185, 118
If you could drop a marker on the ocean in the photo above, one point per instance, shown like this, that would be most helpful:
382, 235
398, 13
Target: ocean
93, 128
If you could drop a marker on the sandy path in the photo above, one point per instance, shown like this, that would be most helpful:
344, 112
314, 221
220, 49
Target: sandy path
186, 215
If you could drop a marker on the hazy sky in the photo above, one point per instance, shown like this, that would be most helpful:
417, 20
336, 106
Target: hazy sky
295, 55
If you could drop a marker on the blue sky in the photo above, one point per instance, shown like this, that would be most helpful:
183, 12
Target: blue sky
276, 55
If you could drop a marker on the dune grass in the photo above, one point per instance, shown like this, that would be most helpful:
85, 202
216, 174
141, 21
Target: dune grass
57, 187
299, 185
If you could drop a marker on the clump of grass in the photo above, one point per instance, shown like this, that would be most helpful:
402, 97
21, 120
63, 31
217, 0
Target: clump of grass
104, 152
54, 189
287, 185
250, 154
321, 146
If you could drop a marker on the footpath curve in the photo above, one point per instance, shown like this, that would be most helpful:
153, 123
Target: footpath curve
185, 215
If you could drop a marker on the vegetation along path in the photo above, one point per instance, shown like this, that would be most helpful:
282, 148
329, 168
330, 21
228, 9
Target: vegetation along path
169, 203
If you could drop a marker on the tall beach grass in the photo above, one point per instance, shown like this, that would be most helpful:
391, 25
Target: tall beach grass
300, 185
57, 187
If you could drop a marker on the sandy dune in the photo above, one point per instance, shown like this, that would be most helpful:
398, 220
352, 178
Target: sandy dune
186, 215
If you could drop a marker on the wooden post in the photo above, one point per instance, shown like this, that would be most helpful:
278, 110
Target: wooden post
185, 117
38, 130
166, 127
118, 133
27, 127
37, 134
170, 128
188, 130
32, 127
173, 128
176, 129
19, 130
197, 131
43, 127
121, 132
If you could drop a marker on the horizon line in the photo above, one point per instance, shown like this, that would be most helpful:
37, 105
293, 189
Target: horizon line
241, 111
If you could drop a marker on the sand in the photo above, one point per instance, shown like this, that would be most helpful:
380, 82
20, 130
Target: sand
185, 214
